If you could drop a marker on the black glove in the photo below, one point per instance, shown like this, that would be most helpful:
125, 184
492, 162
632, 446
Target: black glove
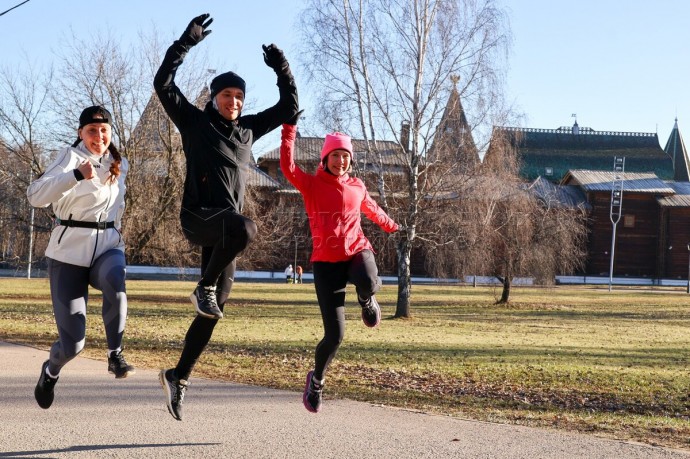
274, 58
294, 119
196, 31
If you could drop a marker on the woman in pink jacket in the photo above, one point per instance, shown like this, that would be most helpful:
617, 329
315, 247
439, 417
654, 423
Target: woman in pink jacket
334, 202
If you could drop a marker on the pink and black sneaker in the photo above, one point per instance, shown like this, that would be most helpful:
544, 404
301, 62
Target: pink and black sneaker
371, 311
312, 394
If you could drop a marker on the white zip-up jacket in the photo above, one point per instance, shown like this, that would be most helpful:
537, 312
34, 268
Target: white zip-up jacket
94, 200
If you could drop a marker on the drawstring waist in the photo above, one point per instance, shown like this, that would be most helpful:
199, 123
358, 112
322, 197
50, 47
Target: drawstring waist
79, 224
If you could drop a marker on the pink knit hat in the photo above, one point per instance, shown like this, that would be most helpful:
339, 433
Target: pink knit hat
336, 141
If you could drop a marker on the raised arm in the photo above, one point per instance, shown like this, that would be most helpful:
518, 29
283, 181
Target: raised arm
291, 171
287, 106
174, 102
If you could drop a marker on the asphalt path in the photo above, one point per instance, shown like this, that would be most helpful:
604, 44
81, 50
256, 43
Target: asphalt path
94, 416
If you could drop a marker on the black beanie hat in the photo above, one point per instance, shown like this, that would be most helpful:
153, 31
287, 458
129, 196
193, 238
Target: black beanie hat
95, 114
227, 80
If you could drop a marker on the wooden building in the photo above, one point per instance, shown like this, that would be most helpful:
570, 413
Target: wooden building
639, 238
653, 234
674, 251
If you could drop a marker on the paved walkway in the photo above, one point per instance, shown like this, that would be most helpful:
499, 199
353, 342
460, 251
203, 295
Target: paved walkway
96, 416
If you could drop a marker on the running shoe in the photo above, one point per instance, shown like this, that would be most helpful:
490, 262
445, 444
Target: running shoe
204, 300
118, 366
44, 389
312, 394
371, 311
174, 390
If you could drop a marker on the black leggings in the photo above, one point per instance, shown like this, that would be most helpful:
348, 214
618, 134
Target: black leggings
222, 235
330, 280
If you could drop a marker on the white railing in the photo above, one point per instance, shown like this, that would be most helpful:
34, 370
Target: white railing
581, 131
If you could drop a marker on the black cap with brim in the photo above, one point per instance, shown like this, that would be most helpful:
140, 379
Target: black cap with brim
94, 114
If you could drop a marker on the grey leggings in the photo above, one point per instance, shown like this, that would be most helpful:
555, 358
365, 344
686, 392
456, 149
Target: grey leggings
69, 289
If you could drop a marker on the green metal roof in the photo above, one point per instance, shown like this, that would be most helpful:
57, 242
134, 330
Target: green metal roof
551, 153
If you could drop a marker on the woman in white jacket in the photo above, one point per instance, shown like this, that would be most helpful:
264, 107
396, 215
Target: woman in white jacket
86, 187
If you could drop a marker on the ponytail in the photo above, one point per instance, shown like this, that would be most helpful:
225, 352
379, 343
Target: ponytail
115, 165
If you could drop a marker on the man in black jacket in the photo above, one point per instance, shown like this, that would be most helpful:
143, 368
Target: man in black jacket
217, 144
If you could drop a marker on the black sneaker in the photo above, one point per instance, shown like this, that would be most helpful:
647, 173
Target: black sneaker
174, 392
204, 300
118, 366
371, 311
44, 389
312, 394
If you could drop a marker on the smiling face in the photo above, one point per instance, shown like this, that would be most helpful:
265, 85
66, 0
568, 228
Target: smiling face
96, 137
338, 162
230, 102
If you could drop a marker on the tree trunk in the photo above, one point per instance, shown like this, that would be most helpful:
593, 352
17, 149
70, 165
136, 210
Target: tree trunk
403, 249
505, 295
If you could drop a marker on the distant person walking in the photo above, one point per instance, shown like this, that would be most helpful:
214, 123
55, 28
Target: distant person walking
298, 272
86, 187
288, 274
341, 253
217, 143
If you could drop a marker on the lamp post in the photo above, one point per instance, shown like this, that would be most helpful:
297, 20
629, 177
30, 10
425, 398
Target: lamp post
294, 271
31, 233
616, 209
688, 290
31, 243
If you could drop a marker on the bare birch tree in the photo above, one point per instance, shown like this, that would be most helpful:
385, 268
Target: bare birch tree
378, 64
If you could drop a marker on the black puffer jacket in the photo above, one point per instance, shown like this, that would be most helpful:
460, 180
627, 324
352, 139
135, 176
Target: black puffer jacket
217, 151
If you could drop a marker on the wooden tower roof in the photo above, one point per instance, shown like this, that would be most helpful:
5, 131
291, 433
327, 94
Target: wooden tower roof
675, 148
453, 138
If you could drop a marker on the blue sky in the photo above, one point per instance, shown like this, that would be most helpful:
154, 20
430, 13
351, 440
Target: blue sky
618, 65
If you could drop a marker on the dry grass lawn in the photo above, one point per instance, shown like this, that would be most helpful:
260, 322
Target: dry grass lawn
611, 363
